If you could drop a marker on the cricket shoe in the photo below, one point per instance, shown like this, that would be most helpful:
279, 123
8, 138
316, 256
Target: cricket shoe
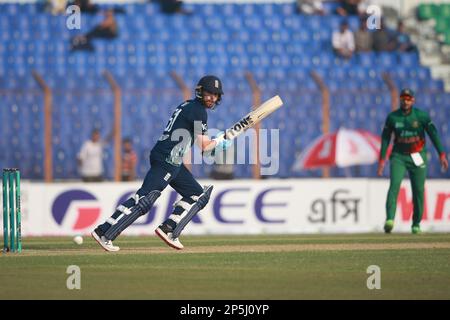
388, 226
105, 243
416, 229
165, 233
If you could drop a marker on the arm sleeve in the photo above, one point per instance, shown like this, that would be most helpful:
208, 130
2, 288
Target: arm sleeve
335, 40
385, 138
431, 129
351, 41
82, 153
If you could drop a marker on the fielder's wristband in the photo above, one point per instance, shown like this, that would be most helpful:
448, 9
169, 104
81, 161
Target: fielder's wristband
442, 155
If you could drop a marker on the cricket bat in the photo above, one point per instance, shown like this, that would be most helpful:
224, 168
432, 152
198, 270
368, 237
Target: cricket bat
253, 117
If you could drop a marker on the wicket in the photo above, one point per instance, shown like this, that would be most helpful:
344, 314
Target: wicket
12, 238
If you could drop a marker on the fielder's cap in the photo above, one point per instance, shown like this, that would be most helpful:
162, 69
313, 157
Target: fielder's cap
407, 92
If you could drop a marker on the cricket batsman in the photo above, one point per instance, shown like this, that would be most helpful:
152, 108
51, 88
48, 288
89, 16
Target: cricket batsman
187, 125
409, 125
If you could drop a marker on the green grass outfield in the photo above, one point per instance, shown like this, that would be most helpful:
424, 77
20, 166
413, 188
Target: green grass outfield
233, 267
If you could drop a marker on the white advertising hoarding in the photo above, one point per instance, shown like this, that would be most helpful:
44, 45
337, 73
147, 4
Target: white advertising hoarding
238, 207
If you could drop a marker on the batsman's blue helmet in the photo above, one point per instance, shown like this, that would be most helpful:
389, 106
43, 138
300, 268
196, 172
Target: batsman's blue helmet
211, 84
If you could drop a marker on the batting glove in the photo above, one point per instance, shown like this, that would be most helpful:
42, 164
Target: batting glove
221, 142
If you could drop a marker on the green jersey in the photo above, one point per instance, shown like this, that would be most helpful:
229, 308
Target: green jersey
409, 132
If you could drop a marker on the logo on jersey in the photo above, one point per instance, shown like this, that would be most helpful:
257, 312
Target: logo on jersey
399, 125
415, 124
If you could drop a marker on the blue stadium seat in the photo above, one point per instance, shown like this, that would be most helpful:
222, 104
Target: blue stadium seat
386, 60
367, 59
409, 59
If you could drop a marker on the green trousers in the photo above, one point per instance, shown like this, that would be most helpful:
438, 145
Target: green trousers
399, 164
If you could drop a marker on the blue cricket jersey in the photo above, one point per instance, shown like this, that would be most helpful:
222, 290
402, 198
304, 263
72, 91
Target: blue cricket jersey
187, 121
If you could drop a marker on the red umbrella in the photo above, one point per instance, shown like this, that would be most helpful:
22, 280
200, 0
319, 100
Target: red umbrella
343, 148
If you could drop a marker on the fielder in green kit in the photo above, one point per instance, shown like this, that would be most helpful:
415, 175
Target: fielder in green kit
409, 125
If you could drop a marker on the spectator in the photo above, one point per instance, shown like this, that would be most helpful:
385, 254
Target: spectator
56, 7
172, 6
348, 8
382, 39
90, 158
86, 6
363, 38
363, 8
343, 41
129, 161
106, 29
402, 40
310, 7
